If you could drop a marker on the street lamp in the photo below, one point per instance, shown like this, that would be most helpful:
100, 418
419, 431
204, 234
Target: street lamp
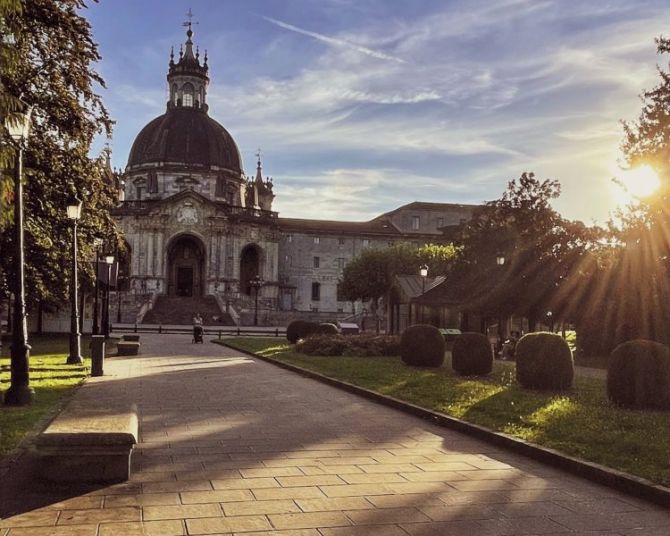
19, 393
423, 272
74, 213
109, 260
96, 327
256, 283
500, 259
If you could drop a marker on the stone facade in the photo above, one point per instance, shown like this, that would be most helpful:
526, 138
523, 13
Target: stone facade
196, 226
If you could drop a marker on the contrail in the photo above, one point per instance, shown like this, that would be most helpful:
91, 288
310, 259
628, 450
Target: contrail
335, 42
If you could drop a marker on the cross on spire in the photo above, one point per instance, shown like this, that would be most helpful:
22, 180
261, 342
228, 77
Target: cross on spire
258, 155
190, 22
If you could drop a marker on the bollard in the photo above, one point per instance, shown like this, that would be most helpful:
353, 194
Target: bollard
135, 328
238, 331
219, 334
160, 328
277, 332
97, 354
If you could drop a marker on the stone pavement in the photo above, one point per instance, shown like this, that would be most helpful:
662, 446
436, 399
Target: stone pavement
233, 445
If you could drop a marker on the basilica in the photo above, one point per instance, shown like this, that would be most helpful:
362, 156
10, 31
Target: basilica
201, 233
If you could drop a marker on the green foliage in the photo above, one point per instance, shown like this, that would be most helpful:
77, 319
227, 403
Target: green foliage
370, 275
51, 69
544, 255
422, 345
322, 344
299, 329
364, 345
638, 375
472, 354
544, 362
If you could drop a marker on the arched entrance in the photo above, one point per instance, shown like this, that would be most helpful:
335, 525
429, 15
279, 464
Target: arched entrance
249, 267
186, 260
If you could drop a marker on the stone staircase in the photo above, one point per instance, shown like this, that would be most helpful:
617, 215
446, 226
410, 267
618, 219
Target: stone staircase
179, 310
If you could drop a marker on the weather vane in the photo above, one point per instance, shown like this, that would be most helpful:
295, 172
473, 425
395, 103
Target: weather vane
190, 22
258, 154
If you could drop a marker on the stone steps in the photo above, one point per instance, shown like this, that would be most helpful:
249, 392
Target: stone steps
178, 310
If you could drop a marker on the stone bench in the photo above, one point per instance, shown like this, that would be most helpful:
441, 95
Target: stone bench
127, 348
131, 338
88, 445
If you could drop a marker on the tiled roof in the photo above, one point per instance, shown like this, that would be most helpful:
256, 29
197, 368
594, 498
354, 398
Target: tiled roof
376, 226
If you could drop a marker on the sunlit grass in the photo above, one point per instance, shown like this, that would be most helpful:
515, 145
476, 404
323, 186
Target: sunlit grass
580, 423
52, 380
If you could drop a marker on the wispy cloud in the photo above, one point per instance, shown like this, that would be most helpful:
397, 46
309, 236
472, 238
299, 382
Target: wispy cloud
335, 41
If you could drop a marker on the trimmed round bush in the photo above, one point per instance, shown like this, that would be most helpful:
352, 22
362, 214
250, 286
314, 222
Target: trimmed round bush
638, 375
472, 354
422, 345
544, 362
299, 329
327, 329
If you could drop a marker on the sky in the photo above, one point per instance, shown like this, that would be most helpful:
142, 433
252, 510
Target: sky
360, 106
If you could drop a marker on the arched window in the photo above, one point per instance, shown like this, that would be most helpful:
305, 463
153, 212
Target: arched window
175, 95
187, 99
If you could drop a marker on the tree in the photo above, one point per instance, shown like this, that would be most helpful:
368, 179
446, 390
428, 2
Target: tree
540, 249
51, 69
370, 275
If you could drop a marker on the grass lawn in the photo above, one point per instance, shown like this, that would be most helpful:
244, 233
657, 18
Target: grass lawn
52, 380
580, 423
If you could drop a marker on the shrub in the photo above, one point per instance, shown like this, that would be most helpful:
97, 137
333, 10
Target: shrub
638, 375
327, 329
472, 354
544, 361
299, 329
422, 345
322, 344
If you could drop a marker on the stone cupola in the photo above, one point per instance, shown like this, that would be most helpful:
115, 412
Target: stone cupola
187, 78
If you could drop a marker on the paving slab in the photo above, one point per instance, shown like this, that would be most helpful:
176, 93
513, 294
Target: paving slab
233, 445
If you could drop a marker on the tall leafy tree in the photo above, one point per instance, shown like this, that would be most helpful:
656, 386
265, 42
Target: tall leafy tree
53, 55
370, 275
540, 249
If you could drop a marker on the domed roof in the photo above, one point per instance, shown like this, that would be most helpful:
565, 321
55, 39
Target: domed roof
185, 135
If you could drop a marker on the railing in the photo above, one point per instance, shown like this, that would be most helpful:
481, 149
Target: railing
236, 331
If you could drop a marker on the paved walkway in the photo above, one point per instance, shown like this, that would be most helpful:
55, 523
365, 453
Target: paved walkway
232, 445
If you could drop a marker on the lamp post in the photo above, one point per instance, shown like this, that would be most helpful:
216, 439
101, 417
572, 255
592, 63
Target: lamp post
109, 260
423, 272
256, 283
74, 358
500, 261
19, 393
96, 327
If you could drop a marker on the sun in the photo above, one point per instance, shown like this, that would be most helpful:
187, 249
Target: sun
633, 185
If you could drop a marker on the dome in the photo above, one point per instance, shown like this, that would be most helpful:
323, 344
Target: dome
185, 135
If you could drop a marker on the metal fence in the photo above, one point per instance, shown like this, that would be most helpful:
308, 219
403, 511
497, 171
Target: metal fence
220, 331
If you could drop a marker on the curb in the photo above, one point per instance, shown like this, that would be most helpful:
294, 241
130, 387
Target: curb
633, 485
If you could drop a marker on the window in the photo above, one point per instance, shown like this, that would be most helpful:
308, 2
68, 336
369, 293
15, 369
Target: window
152, 182
317, 262
188, 100
340, 297
366, 242
289, 238
288, 260
415, 223
340, 262
340, 241
139, 193
316, 291
440, 222
316, 240
219, 189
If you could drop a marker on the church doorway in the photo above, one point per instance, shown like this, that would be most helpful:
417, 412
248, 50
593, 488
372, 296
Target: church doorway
249, 267
186, 259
